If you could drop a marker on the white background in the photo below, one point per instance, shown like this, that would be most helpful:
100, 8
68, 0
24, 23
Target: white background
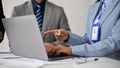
76, 11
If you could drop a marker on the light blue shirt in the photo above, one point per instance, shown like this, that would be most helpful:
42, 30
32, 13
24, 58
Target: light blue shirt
107, 2
81, 45
104, 6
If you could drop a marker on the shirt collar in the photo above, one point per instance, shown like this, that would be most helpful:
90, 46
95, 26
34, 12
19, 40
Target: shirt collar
42, 4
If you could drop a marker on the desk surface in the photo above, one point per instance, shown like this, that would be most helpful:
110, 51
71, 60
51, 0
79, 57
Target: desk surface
108, 63
20, 62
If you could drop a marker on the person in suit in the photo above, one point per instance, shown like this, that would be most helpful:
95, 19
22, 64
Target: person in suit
2, 31
52, 16
102, 35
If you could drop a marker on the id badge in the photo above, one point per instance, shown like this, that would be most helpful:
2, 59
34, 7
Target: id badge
95, 36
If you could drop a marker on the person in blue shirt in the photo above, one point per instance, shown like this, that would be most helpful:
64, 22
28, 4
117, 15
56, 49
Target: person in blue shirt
2, 30
102, 35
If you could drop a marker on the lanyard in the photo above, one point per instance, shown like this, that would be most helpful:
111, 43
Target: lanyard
95, 35
99, 13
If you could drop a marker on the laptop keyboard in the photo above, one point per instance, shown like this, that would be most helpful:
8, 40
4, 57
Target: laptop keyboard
60, 57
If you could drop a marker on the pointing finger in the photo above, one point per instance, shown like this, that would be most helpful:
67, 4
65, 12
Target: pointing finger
50, 32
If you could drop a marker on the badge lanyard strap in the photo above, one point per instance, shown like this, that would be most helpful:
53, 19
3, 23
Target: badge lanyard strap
100, 12
96, 23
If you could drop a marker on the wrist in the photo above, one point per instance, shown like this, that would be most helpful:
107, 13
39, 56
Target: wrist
70, 51
67, 38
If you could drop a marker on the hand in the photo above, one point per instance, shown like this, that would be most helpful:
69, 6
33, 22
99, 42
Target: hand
60, 34
1, 34
49, 47
61, 49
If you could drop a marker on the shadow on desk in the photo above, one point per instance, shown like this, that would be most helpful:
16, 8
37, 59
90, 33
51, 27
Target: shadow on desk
115, 56
5, 52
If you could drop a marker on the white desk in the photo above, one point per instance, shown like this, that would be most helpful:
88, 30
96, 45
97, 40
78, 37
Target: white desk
109, 63
20, 62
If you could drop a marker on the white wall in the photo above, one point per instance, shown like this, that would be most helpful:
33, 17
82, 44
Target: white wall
76, 11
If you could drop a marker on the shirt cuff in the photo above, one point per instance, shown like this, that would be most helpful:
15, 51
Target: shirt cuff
78, 50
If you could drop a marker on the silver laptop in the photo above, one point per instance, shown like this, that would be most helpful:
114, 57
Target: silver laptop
25, 38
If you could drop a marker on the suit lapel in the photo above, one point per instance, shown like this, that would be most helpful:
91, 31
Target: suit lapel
30, 7
108, 10
47, 15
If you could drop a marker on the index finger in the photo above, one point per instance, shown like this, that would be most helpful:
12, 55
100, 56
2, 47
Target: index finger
50, 32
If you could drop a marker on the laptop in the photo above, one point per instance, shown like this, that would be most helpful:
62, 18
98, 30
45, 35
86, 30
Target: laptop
25, 37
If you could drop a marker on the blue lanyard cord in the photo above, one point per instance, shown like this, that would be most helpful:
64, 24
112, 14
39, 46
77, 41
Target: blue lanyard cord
99, 13
100, 10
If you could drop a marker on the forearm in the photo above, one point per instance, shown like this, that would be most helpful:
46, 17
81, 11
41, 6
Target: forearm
97, 49
76, 40
103, 47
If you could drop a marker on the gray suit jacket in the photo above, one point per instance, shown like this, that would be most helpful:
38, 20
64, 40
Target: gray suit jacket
109, 36
54, 17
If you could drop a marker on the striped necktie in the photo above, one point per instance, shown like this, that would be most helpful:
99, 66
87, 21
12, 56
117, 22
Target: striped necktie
38, 15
